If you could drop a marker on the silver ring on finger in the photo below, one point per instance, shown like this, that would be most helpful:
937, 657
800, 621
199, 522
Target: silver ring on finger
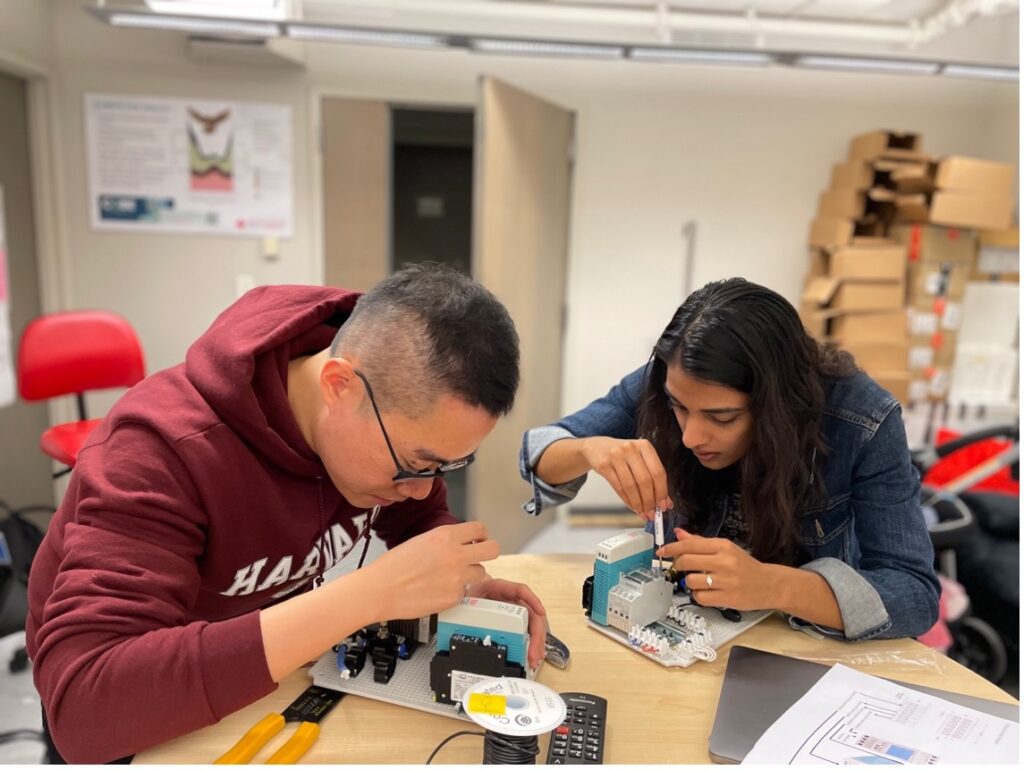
708, 580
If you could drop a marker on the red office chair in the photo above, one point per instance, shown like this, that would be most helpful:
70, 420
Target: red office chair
74, 352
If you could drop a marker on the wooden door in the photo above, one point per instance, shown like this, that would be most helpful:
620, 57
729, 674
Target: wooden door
356, 147
522, 187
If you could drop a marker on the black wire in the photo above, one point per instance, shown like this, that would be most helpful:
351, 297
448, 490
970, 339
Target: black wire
510, 749
499, 749
450, 737
21, 735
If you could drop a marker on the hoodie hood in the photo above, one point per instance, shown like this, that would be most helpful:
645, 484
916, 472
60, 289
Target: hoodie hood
252, 342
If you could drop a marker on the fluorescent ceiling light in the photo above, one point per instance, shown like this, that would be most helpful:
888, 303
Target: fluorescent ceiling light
270, 10
852, 64
696, 56
544, 48
197, 25
982, 73
364, 36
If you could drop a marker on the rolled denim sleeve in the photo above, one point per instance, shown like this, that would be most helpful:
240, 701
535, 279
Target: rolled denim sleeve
545, 495
613, 415
893, 591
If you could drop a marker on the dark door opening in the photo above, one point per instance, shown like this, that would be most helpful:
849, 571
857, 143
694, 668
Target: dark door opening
432, 205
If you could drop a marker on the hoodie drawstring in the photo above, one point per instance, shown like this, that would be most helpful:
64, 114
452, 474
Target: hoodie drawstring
321, 541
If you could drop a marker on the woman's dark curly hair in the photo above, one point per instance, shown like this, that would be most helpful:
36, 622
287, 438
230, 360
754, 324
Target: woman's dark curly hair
748, 338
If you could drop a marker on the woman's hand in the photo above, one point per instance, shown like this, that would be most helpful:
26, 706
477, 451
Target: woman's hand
721, 574
633, 469
518, 593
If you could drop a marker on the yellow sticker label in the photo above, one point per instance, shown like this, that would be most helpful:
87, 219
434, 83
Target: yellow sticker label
487, 704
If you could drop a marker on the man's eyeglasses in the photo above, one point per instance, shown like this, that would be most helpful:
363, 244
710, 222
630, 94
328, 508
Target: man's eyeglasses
404, 474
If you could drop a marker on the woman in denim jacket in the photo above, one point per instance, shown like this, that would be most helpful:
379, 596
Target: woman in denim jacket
782, 469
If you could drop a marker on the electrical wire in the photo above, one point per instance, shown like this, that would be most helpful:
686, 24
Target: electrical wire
510, 749
442, 744
499, 749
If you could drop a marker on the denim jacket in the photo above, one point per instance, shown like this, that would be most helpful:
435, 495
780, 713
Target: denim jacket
868, 539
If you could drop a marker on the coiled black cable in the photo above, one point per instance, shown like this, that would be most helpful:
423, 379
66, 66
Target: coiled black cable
500, 749
510, 749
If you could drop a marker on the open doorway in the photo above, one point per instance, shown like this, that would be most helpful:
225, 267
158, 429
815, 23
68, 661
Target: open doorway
432, 205
484, 187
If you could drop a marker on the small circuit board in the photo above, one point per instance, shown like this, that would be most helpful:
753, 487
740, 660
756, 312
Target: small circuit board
633, 599
429, 663
688, 633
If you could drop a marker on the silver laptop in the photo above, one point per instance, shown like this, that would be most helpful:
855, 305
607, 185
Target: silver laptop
760, 686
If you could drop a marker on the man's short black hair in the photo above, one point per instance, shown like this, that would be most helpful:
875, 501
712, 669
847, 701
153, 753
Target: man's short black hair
429, 330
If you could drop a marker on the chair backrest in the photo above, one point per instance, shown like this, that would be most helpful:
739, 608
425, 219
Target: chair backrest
77, 351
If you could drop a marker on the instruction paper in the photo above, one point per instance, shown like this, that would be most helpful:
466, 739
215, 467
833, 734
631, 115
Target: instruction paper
189, 165
850, 718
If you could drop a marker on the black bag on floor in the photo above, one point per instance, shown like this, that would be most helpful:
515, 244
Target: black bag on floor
19, 541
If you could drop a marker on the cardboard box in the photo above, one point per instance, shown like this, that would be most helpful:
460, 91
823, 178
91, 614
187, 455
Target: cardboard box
909, 354
912, 178
896, 382
849, 203
818, 263
928, 351
886, 144
926, 316
863, 175
955, 173
872, 356
830, 231
888, 325
998, 255
927, 280
827, 232
877, 262
961, 173
929, 385
976, 210
814, 320
928, 243
844, 294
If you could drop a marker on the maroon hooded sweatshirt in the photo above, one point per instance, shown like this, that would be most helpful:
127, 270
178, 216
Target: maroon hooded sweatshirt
194, 504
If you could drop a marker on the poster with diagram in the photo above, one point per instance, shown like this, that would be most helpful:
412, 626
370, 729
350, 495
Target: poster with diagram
6, 343
189, 165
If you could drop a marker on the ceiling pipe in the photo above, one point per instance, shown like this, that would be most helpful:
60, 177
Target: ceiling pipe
661, 17
954, 15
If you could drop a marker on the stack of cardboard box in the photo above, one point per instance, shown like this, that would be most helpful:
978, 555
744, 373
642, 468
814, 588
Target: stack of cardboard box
892, 248
939, 264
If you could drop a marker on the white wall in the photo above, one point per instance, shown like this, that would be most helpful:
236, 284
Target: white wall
25, 35
170, 287
744, 153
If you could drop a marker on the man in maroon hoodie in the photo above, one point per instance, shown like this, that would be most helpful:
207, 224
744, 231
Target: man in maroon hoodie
172, 586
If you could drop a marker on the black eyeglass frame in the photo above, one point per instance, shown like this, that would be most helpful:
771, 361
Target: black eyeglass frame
404, 474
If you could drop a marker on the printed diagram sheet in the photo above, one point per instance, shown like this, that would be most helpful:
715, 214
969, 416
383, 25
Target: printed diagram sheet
850, 718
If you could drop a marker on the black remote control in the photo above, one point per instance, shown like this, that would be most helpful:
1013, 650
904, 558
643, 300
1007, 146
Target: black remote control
579, 740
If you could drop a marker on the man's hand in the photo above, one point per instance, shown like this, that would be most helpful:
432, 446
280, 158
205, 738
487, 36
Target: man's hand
738, 580
518, 593
430, 572
633, 469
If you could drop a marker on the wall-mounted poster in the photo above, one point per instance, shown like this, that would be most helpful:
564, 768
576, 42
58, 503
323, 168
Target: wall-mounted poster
6, 346
189, 165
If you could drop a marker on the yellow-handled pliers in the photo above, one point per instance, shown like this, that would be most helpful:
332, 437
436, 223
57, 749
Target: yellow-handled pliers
308, 709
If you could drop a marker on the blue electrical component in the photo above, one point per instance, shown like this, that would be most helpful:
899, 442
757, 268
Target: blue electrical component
616, 555
490, 621
342, 650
